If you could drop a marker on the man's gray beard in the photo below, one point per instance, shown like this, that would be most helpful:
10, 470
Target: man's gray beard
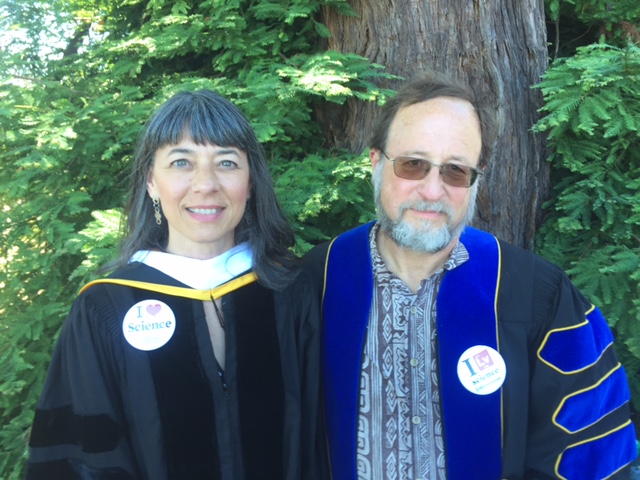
427, 238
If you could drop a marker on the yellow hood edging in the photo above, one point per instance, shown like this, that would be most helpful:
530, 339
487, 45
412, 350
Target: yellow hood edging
204, 295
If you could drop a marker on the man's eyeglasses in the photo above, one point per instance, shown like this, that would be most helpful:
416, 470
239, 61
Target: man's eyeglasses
452, 174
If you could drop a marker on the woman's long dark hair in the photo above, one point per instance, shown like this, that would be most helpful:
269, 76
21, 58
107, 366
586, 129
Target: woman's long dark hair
211, 119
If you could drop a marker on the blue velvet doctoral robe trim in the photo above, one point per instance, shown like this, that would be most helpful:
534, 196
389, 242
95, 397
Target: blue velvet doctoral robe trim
585, 460
589, 340
346, 305
473, 432
586, 407
466, 313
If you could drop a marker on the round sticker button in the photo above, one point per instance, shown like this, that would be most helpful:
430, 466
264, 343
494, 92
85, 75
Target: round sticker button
481, 370
148, 325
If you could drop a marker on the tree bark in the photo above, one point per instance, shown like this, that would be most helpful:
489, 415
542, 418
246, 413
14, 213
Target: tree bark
499, 48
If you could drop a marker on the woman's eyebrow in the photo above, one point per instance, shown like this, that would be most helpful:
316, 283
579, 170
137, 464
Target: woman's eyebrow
180, 150
184, 150
227, 151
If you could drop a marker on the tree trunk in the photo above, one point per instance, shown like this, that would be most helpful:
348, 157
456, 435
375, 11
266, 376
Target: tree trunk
499, 48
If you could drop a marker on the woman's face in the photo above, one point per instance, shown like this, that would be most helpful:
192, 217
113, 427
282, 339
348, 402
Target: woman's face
203, 191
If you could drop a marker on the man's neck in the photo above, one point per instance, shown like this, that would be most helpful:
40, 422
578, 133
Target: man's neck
410, 266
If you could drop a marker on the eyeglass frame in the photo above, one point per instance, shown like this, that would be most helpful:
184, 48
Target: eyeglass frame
475, 172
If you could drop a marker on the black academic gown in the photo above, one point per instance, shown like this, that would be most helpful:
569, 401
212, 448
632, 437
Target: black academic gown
112, 411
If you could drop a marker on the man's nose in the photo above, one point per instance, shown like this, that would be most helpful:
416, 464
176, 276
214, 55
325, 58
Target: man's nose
431, 187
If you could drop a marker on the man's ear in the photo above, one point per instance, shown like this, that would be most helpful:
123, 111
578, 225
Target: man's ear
375, 157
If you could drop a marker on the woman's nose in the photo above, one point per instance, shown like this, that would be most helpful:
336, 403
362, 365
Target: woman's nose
205, 180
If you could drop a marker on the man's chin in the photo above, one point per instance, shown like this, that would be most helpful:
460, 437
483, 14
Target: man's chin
425, 227
424, 240
419, 218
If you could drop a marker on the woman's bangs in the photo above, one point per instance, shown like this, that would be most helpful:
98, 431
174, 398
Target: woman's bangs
209, 127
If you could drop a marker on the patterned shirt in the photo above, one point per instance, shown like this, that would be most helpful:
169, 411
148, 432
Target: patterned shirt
400, 431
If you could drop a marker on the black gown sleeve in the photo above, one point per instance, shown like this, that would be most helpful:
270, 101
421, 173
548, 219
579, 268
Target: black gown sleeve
79, 426
305, 442
567, 401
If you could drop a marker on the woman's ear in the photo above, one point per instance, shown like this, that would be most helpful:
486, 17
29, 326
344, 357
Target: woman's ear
151, 186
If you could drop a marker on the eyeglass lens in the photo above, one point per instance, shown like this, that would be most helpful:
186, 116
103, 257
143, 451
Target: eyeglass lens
416, 169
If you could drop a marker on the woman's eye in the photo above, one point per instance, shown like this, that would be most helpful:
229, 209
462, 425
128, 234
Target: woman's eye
180, 163
228, 164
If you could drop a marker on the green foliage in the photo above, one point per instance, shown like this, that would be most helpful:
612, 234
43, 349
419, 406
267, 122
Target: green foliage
594, 11
593, 226
584, 22
78, 80
325, 196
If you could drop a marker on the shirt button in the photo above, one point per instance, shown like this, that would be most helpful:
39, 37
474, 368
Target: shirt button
415, 420
414, 310
414, 362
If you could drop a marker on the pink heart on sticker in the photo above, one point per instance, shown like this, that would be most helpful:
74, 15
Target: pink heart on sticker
153, 309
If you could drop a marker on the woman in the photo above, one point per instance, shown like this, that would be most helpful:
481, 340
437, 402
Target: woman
198, 357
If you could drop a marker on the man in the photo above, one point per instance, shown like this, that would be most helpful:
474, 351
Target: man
448, 353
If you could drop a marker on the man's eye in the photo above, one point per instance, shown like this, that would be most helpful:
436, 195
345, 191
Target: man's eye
412, 162
457, 169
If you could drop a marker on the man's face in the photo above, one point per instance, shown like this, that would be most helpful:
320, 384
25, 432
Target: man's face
427, 215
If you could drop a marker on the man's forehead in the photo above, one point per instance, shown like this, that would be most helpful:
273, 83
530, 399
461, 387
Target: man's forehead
453, 105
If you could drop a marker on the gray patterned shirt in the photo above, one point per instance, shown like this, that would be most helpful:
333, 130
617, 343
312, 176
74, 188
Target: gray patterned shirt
400, 431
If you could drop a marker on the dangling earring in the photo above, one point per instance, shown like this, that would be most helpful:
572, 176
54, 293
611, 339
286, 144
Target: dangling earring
156, 210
